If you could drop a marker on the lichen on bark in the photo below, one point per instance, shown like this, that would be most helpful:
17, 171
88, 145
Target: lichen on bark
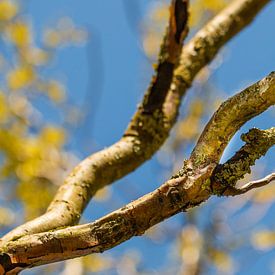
257, 144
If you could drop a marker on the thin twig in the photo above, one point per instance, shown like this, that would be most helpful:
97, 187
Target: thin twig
233, 191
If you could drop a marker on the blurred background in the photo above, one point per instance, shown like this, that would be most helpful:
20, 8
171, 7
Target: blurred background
72, 74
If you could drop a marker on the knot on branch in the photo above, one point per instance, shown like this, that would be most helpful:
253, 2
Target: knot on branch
186, 170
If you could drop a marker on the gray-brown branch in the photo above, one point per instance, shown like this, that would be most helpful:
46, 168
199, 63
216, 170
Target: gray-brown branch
225, 176
189, 188
152, 122
252, 185
146, 132
230, 116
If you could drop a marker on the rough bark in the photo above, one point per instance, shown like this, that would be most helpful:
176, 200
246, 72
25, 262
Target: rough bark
154, 118
188, 188
231, 115
146, 132
226, 175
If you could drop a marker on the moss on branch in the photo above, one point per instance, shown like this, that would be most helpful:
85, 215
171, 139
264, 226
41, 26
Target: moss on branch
257, 144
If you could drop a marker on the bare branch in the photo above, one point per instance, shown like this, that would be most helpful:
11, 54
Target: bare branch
177, 194
230, 116
225, 176
258, 183
153, 120
146, 132
203, 47
232, 191
189, 188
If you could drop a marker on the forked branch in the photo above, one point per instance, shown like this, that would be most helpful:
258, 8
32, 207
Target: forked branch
146, 132
226, 175
154, 118
189, 188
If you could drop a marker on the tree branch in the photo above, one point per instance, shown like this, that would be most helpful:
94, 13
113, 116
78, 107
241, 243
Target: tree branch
175, 195
154, 118
232, 191
258, 183
187, 189
230, 116
203, 47
225, 176
145, 134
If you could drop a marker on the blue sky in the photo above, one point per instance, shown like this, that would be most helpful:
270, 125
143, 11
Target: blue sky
109, 75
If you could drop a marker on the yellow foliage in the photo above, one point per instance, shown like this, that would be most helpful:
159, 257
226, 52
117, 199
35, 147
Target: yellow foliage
56, 91
203, 74
65, 32
32, 157
263, 240
214, 5
221, 260
195, 14
96, 263
8, 10
151, 43
20, 77
7, 217
190, 244
28, 155
32, 148
10, 143
53, 136
4, 111
198, 8
197, 107
265, 194
154, 30
158, 18
189, 127
20, 107
28, 169
52, 38
35, 56
161, 13
19, 33
35, 196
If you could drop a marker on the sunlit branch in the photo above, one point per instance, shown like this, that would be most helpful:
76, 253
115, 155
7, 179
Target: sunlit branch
231, 191
226, 175
258, 183
154, 118
203, 47
185, 190
146, 132
230, 116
